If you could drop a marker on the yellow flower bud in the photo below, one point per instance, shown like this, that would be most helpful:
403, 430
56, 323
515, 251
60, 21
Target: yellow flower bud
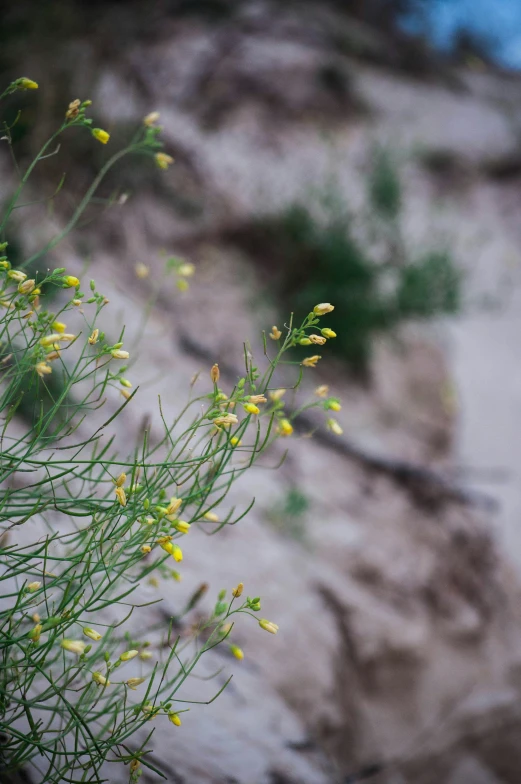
118, 353
277, 394
317, 339
305, 342
145, 549
34, 634
186, 270
250, 408
93, 339
174, 505
73, 646
142, 270
145, 655
92, 633
181, 526
33, 586
182, 284
151, 119
67, 337
334, 405
27, 286
214, 373
121, 479
128, 655
234, 441
238, 590
328, 333
76, 302
59, 327
322, 391
285, 427
211, 516
121, 496
257, 399
323, 308
71, 281
275, 333
174, 718
17, 276
268, 626
163, 160
237, 652
26, 84
100, 679
311, 361
125, 383
36, 618
101, 135
335, 428
133, 683
226, 420
43, 369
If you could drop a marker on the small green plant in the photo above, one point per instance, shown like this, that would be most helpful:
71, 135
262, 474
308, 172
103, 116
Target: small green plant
287, 516
378, 285
82, 527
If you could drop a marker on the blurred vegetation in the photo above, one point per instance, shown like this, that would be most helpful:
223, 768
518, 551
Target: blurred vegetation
374, 282
287, 515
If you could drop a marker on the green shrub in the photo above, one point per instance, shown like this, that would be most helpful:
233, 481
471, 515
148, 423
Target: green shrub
82, 527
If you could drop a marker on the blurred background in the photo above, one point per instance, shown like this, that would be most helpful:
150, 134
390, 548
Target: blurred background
365, 153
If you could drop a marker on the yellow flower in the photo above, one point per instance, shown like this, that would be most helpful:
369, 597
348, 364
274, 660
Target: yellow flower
257, 399
26, 84
117, 353
172, 549
67, 336
186, 270
174, 718
237, 652
151, 119
322, 391
163, 160
128, 655
323, 308
27, 286
328, 333
335, 428
17, 276
234, 441
275, 333
133, 683
43, 369
70, 281
126, 394
238, 590
214, 373
182, 284
317, 339
174, 505
145, 549
226, 420
34, 586
285, 427
121, 479
92, 633
36, 618
311, 361
121, 496
73, 646
277, 394
100, 679
211, 517
142, 270
76, 302
250, 408
101, 135
93, 339
268, 626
